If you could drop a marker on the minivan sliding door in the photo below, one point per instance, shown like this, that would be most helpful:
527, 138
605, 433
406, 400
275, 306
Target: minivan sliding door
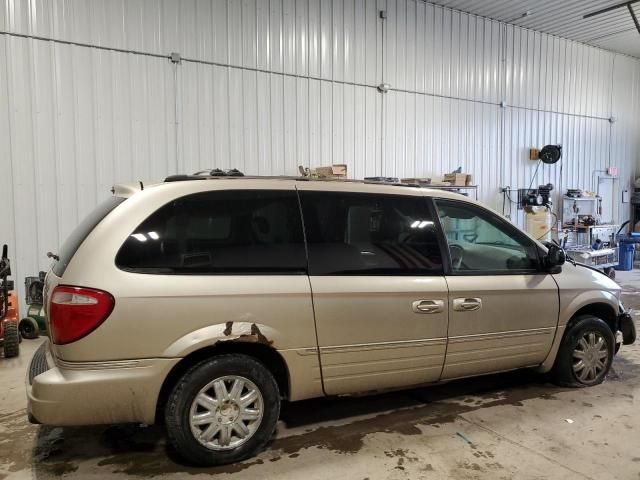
379, 295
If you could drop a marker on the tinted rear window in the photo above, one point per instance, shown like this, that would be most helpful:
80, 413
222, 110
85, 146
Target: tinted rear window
231, 231
73, 242
365, 234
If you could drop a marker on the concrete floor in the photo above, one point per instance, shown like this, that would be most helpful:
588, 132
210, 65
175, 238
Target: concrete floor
513, 425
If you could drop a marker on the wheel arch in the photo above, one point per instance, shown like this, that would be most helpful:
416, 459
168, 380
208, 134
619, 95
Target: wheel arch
601, 310
268, 356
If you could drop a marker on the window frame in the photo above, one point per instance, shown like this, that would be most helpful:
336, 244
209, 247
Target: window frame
501, 222
304, 270
428, 209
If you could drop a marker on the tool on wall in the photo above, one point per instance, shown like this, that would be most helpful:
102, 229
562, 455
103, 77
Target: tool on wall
537, 202
550, 154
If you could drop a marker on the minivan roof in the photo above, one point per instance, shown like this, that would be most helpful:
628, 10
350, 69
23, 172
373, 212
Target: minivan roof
129, 189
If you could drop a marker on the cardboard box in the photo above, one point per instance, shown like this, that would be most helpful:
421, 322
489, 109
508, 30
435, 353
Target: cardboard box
339, 170
457, 179
334, 171
324, 172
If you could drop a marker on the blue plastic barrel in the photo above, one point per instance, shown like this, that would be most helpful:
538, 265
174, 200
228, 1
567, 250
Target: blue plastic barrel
625, 259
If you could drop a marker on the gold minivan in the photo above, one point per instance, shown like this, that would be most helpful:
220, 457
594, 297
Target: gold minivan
202, 302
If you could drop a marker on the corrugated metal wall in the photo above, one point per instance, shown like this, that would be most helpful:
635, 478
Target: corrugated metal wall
89, 97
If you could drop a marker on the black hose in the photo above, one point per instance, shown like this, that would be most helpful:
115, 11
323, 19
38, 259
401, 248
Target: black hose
622, 226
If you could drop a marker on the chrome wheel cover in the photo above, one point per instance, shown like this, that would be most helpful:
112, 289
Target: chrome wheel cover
590, 356
226, 413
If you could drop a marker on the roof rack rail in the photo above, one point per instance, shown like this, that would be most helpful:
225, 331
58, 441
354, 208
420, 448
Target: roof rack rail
203, 174
393, 181
234, 173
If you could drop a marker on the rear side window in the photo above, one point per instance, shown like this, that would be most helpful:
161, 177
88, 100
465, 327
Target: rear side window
82, 231
364, 234
230, 231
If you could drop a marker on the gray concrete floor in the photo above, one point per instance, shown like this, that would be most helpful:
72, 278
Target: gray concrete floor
514, 425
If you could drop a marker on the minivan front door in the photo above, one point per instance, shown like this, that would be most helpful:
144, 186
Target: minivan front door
379, 295
503, 308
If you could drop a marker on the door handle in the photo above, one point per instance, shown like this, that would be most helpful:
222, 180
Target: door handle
428, 306
467, 304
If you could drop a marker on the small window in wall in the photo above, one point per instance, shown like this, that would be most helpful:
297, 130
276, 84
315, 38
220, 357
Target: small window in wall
479, 241
220, 232
366, 234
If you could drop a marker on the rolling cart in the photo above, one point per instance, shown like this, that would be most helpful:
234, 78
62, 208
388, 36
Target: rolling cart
604, 259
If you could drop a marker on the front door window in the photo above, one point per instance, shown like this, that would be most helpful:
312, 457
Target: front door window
480, 242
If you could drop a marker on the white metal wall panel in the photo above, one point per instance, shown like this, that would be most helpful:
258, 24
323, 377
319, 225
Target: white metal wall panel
625, 138
268, 124
74, 121
329, 39
552, 74
426, 136
430, 49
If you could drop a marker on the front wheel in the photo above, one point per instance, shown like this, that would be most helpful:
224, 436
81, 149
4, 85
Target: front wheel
223, 410
585, 354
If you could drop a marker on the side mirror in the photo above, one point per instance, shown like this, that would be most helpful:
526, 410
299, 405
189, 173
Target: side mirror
554, 259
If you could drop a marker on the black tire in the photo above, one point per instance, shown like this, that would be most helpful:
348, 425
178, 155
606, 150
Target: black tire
11, 342
563, 371
29, 328
177, 410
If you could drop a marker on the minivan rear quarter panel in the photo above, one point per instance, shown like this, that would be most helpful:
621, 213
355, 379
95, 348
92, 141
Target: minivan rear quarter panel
170, 316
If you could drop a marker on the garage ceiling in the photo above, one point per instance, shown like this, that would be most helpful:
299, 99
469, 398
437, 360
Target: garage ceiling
614, 30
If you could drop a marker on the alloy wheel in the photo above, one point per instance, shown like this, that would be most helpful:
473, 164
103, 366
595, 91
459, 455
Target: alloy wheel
226, 413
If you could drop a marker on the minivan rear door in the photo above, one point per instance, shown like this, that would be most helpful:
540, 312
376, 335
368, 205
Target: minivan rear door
379, 295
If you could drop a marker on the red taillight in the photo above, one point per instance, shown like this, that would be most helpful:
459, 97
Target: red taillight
74, 312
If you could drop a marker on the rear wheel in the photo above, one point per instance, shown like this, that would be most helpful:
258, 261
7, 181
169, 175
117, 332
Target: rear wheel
223, 410
29, 328
11, 342
586, 353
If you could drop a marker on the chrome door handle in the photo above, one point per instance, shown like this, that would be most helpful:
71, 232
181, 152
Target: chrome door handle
428, 306
467, 304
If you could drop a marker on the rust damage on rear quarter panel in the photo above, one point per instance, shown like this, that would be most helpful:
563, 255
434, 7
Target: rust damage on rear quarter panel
228, 328
255, 336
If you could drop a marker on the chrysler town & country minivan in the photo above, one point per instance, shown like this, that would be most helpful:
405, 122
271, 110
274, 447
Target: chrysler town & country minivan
203, 302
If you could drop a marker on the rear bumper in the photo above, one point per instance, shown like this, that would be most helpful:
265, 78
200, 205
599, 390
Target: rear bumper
93, 393
627, 326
